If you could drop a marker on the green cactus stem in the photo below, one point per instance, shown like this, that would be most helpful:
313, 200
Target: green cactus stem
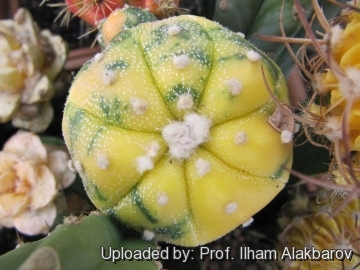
76, 244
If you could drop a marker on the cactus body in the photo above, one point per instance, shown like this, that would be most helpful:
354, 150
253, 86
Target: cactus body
317, 227
77, 245
93, 12
168, 128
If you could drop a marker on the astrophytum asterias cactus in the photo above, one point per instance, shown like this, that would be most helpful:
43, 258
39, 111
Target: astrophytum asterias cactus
169, 129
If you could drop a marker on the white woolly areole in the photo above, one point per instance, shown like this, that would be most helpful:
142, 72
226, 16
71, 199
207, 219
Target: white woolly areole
253, 56
71, 165
181, 61
333, 128
351, 84
138, 105
234, 86
286, 136
78, 166
336, 33
184, 137
202, 167
240, 138
248, 222
148, 235
174, 30
102, 161
152, 149
109, 77
162, 198
230, 208
200, 127
240, 34
98, 57
185, 101
177, 136
71, 220
143, 164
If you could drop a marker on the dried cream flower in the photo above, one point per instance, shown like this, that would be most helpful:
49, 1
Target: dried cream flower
29, 182
30, 60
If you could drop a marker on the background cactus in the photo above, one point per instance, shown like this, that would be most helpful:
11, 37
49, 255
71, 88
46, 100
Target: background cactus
93, 12
88, 235
122, 19
175, 179
331, 112
330, 221
260, 17
340, 81
305, 222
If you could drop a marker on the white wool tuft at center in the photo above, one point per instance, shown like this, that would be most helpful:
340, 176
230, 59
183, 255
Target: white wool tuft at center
184, 137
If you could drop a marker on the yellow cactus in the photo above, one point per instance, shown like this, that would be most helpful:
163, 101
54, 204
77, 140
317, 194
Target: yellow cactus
333, 109
330, 224
316, 228
345, 51
174, 132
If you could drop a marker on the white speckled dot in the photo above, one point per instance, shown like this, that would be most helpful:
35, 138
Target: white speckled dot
231, 207
148, 235
185, 101
234, 86
181, 61
139, 106
162, 198
144, 164
253, 56
78, 166
174, 30
202, 167
109, 77
102, 161
240, 138
247, 222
